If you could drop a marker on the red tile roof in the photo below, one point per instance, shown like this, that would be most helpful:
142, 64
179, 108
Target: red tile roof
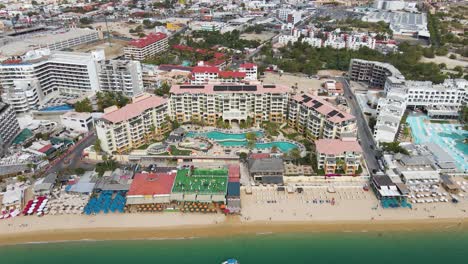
231, 74
134, 109
248, 65
150, 39
45, 148
337, 146
205, 69
152, 184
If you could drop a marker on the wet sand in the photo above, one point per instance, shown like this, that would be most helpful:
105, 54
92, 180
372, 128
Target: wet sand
232, 226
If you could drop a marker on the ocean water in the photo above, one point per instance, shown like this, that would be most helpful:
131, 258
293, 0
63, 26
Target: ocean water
327, 248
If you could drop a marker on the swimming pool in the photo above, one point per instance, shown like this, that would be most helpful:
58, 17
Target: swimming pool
57, 108
239, 140
283, 146
448, 136
222, 136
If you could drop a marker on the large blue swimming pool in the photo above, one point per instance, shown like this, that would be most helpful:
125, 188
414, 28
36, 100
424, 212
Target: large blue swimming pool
448, 136
239, 140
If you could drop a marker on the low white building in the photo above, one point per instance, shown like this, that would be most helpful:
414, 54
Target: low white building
79, 122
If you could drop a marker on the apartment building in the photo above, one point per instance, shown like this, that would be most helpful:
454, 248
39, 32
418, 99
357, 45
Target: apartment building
230, 102
373, 73
338, 156
9, 126
317, 118
128, 127
121, 76
146, 47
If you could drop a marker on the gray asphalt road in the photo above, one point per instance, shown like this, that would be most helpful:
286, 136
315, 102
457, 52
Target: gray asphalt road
364, 132
75, 156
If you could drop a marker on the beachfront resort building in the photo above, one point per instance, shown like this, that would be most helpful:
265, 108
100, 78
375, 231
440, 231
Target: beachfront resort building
212, 74
338, 156
318, 118
390, 110
128, 127
121, 76
9, 126
230, 102
146, 47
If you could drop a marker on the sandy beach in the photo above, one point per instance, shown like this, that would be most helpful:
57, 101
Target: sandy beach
354, 211
232, 226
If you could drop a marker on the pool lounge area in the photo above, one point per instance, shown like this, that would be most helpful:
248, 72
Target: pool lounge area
227, 139
446, 135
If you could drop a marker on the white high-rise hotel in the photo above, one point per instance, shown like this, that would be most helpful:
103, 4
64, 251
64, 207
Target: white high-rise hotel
439, 100
40, 73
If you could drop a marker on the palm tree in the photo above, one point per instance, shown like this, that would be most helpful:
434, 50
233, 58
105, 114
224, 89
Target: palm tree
295, 154
274, 149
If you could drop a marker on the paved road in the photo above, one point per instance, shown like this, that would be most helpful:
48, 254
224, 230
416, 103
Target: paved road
364, 133
75, 156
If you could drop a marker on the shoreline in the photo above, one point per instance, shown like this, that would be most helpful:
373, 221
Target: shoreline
231, 227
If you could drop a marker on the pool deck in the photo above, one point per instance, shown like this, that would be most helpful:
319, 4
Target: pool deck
424, 131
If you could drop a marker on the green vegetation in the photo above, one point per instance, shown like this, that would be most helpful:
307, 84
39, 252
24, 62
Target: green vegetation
372, 122
464, 117
106, 165
163, 90
179, 152
251, 139
440, 27
86, 20
301, 57
83, 106
258, 29
79, 171
149, 25
97, 146
271, 128
138, 29
221, 124
229, 39
295, 154
107, 99
393, 147
248, 123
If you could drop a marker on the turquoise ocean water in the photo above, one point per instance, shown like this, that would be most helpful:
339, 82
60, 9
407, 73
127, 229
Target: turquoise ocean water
345, 247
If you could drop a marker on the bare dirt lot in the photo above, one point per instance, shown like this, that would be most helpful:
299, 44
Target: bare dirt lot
113, 51
304, 84
260, 37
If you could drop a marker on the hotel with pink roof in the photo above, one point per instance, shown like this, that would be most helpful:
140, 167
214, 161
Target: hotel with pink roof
318, 118
231, 102
338, 156
128, 127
